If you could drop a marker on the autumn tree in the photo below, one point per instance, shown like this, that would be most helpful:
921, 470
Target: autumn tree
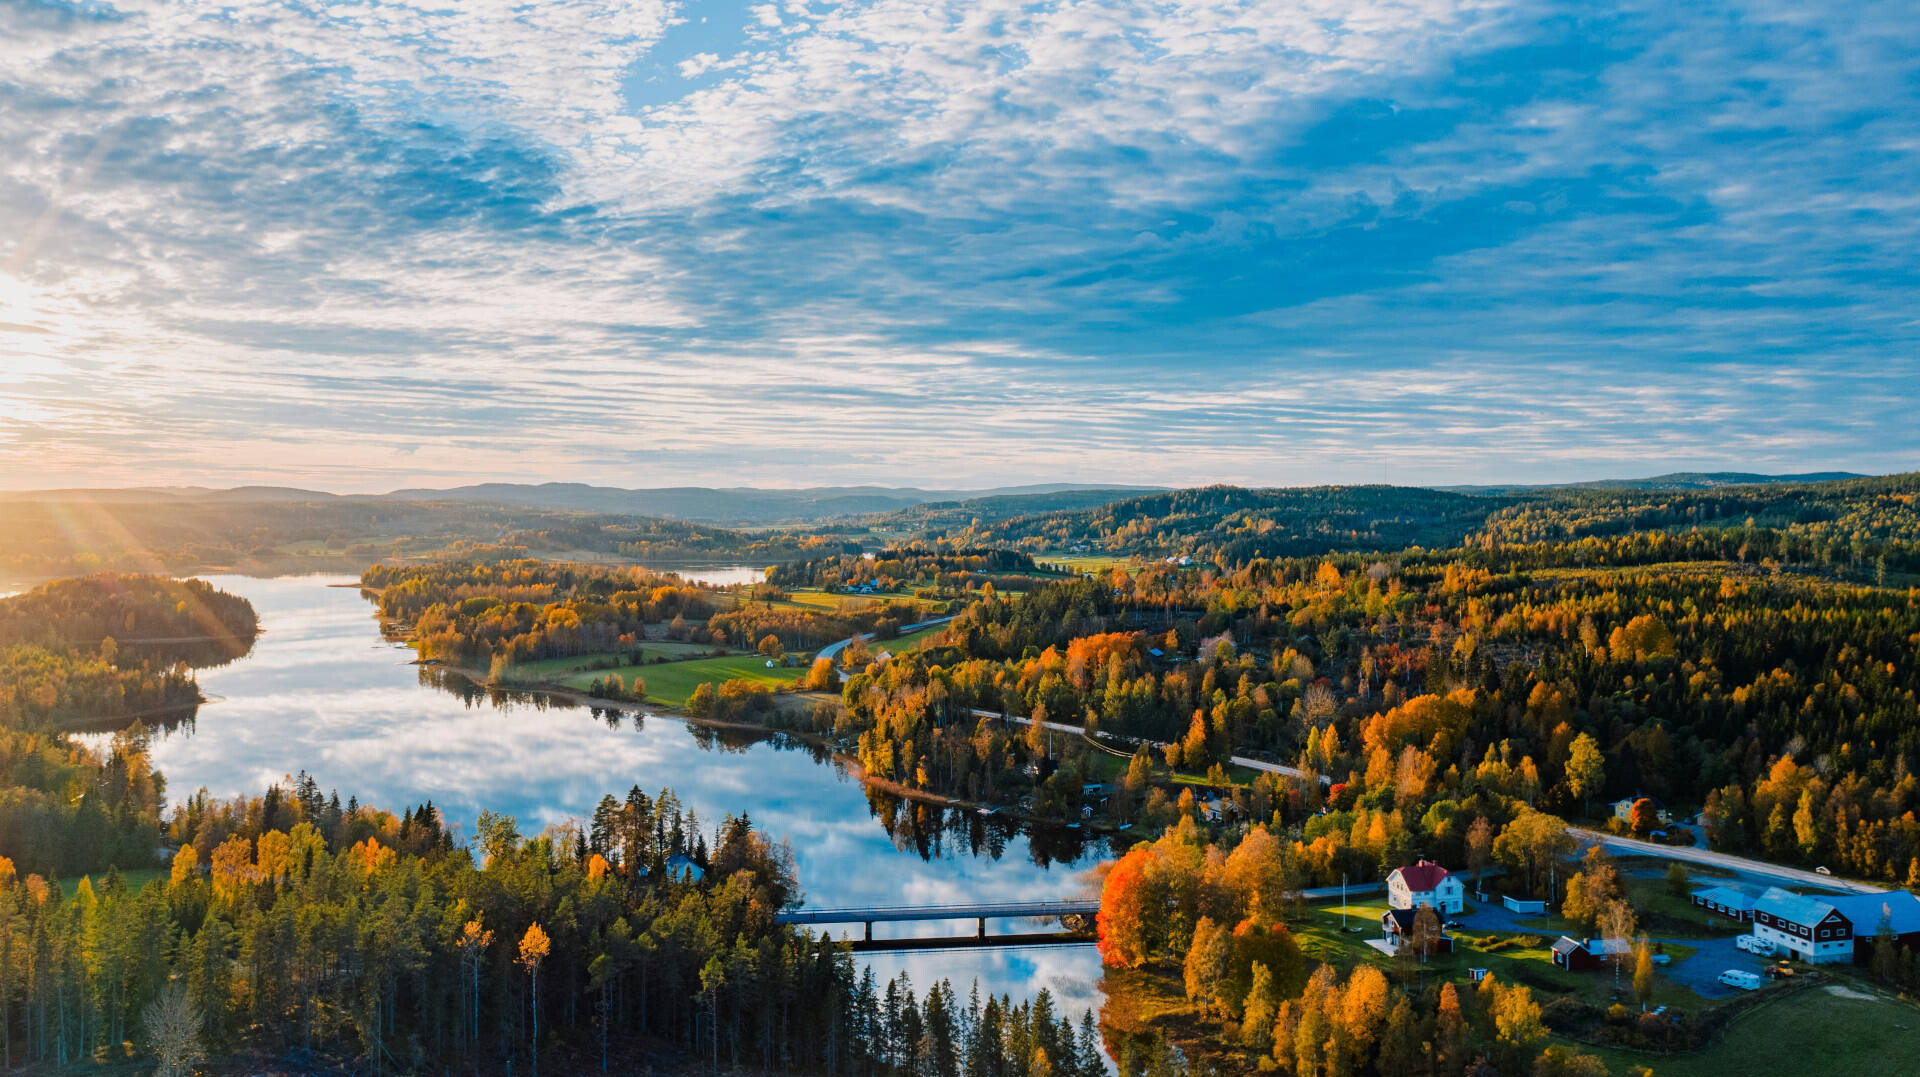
1207, 964
1586, 771
534, 947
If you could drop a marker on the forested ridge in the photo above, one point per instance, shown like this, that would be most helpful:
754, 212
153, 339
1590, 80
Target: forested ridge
1863, 527
1230, 524
1757, 695
943, 569
48, 536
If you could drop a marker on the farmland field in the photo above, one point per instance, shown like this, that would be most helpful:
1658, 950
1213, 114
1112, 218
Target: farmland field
1812, 1031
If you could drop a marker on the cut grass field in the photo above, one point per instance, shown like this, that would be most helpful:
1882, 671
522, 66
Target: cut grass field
554, 669
1809, 1032
1086, 562
671, 683
134, 878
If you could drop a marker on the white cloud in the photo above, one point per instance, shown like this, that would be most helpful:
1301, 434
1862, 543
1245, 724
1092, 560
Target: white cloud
1088, 239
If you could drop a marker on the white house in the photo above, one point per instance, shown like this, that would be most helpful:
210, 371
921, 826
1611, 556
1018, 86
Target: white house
1426, 883
1623, 810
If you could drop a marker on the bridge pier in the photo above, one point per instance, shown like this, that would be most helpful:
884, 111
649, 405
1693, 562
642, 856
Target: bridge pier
982, 933
869, 930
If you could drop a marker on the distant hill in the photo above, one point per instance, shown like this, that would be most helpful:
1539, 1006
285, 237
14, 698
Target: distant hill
1678, 480
1233, 524
745, 506
739, 506
945, 516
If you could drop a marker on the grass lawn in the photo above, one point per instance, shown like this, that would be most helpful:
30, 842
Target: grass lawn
1808, 1032
553, 669
906, 642
672, 682
1662, 912
135, 878
1104, 766
1086, 562
1524, 959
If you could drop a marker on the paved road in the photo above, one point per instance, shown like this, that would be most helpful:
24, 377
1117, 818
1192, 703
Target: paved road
1245, 761
1773, 874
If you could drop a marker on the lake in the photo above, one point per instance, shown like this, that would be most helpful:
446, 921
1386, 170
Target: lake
323, 691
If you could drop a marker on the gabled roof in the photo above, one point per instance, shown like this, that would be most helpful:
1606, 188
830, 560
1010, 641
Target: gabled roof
1725, 897
1606, 947
1791, 907
1421, 877
1866, 910
1406, 917
1566, 946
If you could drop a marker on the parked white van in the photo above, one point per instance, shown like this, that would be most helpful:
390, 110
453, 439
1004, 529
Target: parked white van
1745, 981
1754, 944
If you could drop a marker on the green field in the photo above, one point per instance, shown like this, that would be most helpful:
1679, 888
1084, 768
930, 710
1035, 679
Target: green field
670, 683
549, 669
1087, 562
1812, 1031
135, 878
1524, 959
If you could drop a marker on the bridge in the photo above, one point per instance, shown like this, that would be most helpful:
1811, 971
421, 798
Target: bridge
979, 913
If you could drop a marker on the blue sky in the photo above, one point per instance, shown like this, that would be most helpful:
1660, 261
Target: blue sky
646, 243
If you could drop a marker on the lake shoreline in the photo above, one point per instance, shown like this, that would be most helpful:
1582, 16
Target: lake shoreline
852, 764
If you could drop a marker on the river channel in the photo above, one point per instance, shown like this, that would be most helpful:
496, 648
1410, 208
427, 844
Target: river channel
324, 692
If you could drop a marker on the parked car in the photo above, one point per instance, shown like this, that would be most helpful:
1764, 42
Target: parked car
1822, 870
1663, 959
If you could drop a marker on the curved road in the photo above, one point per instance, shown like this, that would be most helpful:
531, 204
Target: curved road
833, 649
1738, 864
1245, 761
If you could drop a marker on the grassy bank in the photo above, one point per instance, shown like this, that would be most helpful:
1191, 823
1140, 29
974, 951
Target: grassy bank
1813, 1031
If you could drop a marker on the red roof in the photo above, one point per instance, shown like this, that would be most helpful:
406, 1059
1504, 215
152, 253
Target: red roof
1423, 876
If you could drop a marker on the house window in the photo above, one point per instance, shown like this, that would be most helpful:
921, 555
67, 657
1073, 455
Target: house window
1823, 932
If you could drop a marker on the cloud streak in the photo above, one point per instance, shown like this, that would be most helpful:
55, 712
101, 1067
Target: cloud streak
370, 246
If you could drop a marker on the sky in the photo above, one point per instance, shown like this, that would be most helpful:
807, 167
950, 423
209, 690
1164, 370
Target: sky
367, 245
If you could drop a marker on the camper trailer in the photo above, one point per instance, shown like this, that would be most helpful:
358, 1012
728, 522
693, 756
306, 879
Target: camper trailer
1745, 981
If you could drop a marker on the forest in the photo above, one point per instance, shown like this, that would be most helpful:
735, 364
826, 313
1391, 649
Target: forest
498, 614
104, 652
944, 570
1229, 524
290, 927
1764, 698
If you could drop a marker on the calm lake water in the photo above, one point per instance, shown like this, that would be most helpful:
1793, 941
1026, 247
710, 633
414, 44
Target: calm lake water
324, 692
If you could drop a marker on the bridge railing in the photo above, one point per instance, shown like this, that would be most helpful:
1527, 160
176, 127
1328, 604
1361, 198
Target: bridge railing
997, 910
